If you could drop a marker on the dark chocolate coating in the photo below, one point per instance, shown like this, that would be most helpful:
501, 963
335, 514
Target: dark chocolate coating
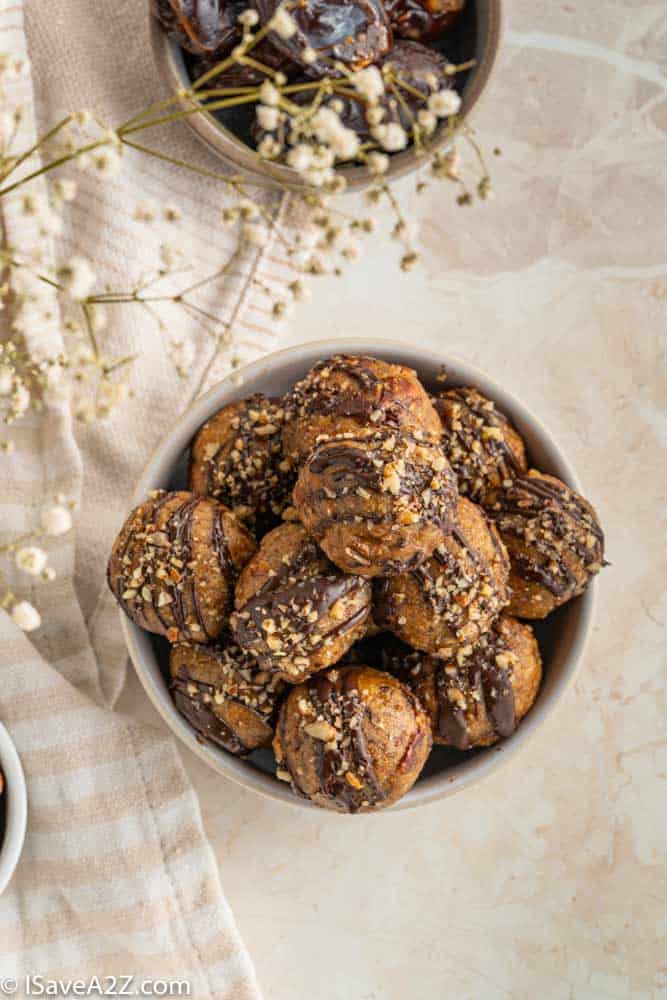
554, 540
482, 446
352, 739
349, 393
453, 597
173, 566
296, 613
480, 697
377, 504
224, 694
354, 32
237, 458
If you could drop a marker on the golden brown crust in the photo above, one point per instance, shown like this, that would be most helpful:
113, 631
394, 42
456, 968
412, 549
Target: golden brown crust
295, 611
481, 445
554, 540
353, 394
377, 504
225, 695
173, 566
454, 597
237, 457
352, 739
475, 700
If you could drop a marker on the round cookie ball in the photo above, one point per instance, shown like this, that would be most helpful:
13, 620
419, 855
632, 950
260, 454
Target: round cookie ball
348, 394
453, 597
481, 445
554, 540
377, 504
225, 696
237, 457
296, 613
174, 564
479, 698
352, 739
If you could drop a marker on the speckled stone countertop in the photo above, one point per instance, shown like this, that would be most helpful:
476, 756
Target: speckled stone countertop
548, 880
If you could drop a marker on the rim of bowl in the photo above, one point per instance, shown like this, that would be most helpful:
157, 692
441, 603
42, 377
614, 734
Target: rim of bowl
161, 465
16, 808
226, 145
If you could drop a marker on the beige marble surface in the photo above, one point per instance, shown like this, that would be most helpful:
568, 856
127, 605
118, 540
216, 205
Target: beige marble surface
548, 880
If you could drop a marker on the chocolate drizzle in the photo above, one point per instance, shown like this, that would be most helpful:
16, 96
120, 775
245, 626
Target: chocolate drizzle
237, 458
563, 540
482, 446
351, 755
478, 680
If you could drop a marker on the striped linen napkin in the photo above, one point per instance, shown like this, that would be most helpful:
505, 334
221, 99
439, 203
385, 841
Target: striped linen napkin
117, 877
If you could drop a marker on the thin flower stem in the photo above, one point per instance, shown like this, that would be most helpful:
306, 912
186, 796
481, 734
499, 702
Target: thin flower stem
40, 142
66, 158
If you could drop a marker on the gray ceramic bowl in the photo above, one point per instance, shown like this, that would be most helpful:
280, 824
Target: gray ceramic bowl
15, 806
562, 637
226, 144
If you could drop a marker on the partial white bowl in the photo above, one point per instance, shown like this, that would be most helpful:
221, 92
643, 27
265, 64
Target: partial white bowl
562, 637
15, 806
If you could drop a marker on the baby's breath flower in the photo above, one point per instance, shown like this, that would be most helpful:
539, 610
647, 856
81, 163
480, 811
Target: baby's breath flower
110, 395
248, 209
106, 162
268, 94
255, 234
300, 157
65, 189
391, 136
145, 211
31, 559
6, 380
183, 356
309, 55
378, 163
82, 117
248, 18
56, 520
26, 616
269, 148
409, 261
427, 121
20, 400
444, 103
283, 23
77, 278
369, 83
374, 115
299, 291
268, 117
171, 213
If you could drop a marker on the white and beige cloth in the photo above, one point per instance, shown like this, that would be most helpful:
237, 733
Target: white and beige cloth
117, 877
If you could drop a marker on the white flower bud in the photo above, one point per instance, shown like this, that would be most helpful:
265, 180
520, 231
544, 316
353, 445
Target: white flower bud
255, 234
77, 278
283, 23
6, 380
268, 117
56, 520
26, 616
369, 83
444, 103
31, 560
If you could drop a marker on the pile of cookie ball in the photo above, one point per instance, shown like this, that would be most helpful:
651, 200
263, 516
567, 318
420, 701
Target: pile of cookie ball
351, 576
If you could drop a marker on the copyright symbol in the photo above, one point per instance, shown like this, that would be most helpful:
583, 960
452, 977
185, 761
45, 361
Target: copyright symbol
8, 986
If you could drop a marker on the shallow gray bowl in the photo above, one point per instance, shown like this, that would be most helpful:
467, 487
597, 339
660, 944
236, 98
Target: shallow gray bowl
562, 637
15, 806
219, 137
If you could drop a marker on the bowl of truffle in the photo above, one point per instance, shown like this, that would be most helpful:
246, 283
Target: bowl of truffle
381, 82
13, 808
358, 581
